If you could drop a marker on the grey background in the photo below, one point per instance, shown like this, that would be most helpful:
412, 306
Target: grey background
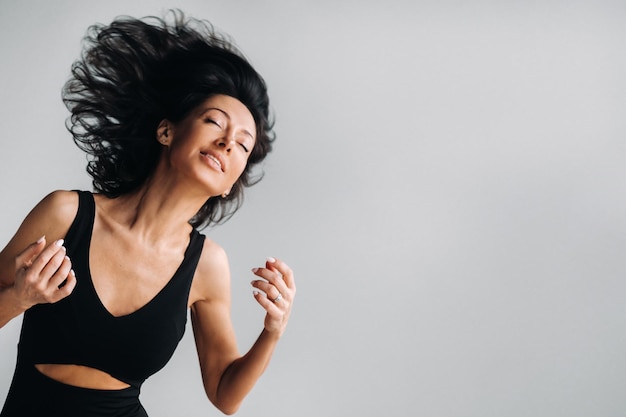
448, 184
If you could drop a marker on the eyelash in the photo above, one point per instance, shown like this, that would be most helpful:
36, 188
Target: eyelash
207, 120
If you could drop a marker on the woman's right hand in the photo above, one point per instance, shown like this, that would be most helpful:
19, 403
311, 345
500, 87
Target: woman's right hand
43, 274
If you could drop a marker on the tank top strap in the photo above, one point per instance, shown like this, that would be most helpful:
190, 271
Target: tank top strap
194, 250
180, 285
79, 234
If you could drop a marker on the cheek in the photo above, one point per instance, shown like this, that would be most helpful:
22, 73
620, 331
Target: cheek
240, 167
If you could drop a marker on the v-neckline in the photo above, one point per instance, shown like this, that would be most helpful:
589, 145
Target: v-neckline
152, 300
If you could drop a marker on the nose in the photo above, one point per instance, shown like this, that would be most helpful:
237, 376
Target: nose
226, 143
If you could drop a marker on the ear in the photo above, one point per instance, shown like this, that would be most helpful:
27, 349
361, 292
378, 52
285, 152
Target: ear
163, 132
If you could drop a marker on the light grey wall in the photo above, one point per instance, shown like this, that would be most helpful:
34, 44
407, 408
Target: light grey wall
448, 184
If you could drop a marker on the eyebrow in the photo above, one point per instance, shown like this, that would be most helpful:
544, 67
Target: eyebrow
228, 117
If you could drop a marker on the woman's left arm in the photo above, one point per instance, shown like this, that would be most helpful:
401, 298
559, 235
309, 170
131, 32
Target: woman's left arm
227, 376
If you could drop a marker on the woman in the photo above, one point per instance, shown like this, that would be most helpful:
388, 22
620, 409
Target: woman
174, 120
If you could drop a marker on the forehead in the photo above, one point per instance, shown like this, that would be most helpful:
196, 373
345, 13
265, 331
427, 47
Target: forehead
233, 109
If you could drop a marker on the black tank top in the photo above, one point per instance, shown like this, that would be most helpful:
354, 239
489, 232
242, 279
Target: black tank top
79, 330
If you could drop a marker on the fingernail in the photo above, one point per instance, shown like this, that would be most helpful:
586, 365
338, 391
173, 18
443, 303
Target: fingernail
254, 270
271, 260
72, 272
67, 257
41, 239
59, 242
255, 293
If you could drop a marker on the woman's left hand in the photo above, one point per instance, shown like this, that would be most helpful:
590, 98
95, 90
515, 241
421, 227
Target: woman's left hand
277, 290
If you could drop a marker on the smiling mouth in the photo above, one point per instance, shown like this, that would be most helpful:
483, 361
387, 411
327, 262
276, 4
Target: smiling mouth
213, 159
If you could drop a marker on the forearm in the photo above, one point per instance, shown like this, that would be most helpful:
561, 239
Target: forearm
239, 378
9, 305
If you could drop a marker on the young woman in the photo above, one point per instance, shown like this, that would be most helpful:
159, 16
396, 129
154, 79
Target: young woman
174, 120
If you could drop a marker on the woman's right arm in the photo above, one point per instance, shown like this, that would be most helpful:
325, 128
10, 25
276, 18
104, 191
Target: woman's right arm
34, 268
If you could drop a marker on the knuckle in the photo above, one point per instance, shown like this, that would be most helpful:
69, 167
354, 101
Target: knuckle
37, 284
58, 257
68, 287
65, 269
37, 264
30, 277
48, 298
65, 291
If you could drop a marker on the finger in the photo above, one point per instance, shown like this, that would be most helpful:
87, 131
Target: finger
270, 290
267, 304
269, 263
285, 271
53, 264
25, 258
47, 254
67, 288
273, 277
61, 273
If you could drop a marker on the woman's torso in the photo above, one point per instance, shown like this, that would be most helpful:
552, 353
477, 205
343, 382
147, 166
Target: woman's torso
127, 326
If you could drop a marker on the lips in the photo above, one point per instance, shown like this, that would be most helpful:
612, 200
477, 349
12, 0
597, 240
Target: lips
214, 160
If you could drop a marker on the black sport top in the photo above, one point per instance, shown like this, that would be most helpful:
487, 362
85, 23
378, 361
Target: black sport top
79, 330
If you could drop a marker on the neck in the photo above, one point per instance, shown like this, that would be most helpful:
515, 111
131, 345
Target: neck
159, 210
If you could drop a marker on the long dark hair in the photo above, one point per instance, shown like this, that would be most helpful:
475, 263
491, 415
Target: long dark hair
134, 73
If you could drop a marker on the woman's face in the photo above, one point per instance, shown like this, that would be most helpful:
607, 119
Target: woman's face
213, 143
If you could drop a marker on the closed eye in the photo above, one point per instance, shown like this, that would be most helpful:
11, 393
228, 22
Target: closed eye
245, 148
207, 120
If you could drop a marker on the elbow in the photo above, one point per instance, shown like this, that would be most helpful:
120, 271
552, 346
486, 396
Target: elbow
230, 412
227, 408
225, 403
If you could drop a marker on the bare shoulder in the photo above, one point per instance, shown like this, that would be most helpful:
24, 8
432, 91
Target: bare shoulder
54, 214
62, 204
51, 217
211, 281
